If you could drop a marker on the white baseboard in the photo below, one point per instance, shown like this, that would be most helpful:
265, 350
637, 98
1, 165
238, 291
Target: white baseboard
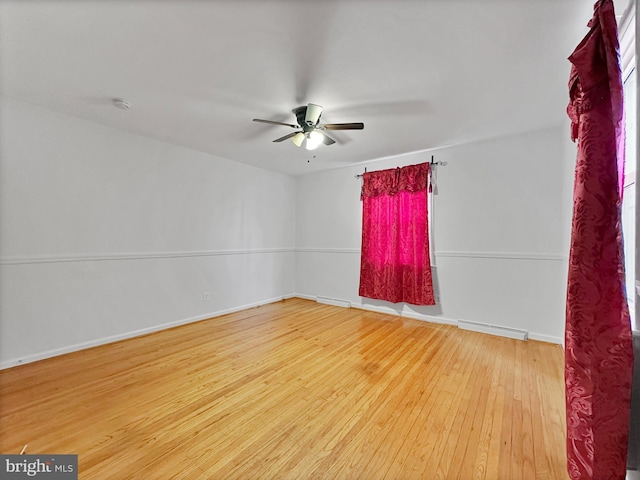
333, 301
546, 338
480, 327
304, 296
493, 329
413, 315
136, 333
430, 318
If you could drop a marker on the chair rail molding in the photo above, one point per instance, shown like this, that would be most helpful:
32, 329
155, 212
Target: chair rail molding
97, 257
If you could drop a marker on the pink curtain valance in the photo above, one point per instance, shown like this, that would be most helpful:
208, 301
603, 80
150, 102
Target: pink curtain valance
412, 178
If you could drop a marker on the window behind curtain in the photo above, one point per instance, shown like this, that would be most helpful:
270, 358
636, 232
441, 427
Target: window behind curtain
626, 31
629, 197
395, 264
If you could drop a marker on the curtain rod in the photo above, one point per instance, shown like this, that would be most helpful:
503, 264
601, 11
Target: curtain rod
430, 163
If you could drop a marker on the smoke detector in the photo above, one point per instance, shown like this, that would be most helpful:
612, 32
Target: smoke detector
121, 104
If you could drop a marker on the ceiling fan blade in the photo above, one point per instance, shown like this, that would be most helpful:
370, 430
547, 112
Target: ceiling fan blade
297, 139
342, 126
282, 139
313, 114
328, 140
275, 123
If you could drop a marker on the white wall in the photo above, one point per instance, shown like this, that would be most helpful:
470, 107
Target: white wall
499, 233
106, 234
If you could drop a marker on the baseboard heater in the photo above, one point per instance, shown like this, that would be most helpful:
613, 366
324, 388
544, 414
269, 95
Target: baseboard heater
333, 301
493, 329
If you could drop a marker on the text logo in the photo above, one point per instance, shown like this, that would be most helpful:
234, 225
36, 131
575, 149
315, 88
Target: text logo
40, 467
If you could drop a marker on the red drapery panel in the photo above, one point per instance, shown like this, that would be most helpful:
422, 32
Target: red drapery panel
598, 349
395, 264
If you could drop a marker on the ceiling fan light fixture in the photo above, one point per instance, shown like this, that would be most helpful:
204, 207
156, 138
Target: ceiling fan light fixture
314, 139
297, 139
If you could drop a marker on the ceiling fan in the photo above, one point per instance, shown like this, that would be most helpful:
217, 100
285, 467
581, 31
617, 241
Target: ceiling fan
311, 131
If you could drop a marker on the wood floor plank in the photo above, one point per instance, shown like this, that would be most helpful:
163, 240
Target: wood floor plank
293, 390
446, 382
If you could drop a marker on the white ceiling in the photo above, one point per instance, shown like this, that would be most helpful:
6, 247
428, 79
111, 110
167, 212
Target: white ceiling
420, 74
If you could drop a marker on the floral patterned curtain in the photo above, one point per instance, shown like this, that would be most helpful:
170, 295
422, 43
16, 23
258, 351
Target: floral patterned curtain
395, 263
598, 350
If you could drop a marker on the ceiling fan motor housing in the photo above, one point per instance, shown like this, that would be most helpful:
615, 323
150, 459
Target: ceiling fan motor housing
301, 113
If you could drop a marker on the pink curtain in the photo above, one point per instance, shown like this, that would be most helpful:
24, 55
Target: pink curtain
395, 264
598, 349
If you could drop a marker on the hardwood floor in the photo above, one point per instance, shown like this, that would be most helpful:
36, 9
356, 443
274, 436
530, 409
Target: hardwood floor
296, 390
